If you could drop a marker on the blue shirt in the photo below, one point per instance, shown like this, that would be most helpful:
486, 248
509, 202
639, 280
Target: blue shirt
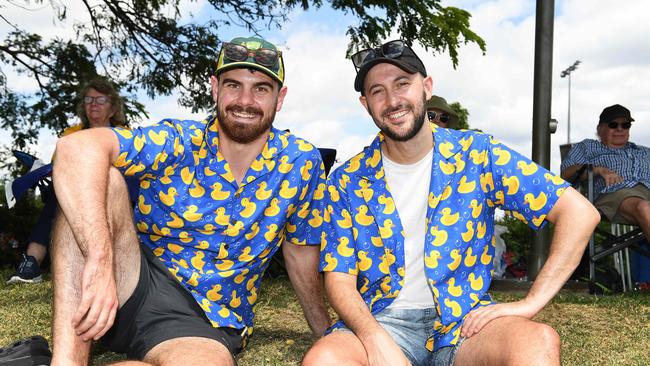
632, 162
215, 236
471, 175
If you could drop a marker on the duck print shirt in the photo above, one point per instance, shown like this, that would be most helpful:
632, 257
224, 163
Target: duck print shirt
471, 175
214, 236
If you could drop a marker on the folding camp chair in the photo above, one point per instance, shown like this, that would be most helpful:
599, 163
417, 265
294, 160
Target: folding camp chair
621, 237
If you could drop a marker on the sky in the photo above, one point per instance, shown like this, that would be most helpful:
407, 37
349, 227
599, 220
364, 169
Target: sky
607, 36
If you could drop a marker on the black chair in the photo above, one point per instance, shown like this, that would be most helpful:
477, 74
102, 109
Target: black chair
621, 237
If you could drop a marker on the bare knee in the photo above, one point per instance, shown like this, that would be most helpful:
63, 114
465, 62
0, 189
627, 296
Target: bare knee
320, 355
643, 209
541, 348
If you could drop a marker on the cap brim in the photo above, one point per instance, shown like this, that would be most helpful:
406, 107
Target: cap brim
363, 71
249, 65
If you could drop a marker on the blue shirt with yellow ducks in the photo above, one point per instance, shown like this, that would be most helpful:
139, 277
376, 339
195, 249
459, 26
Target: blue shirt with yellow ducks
214, 236
471, 175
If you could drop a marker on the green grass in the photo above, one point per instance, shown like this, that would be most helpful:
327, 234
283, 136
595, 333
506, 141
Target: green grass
603, 330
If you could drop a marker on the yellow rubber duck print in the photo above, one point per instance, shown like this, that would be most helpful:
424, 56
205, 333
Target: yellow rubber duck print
176, 222
512, 183
286, 191
181, 263
213, 294
503, 156
234, 230
527, 168
206, 305
218, 194
535, 203
158, 138
557, 180
481, 228
376, 241
364, 262
354, 164
374, 160
453, 289
389, 204
138, 142
478, 158
431, 260
161, 157
469, 234
158, 251
304, 145
476, 208
448, 218
168, 198
456, 310
487, 182
465, 187
346, 221
235, 300
124, 132
446, 167
164, 231
143, 206
285, 167
331, 263
316, 220
273, 208
224, 265
242, 276
466, 143
343, 248
446, 193
470, 258
197, 261
364, 287
455, 255
224, 312
194, 279
386, 261
207, 172
262, 193
191, 215
459, 162
439, 236
305, 170
134, 169
255, 228
271, 232
246, 256
220, 217
249, 208
385, 284
474, 298
386, 230
121, 160
485, 257
445, 148
203, 244
196, 190
362, 216
475, 283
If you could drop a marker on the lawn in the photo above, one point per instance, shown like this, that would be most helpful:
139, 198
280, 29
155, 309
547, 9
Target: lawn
602, 330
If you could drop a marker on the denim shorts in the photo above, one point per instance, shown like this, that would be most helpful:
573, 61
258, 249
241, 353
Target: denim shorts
410, 328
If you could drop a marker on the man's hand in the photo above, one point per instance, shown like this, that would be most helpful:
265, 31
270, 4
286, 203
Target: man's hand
478, 318
382, 350
99, 302
609, 176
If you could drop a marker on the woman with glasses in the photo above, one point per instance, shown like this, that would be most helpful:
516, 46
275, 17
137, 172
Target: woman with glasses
99, 106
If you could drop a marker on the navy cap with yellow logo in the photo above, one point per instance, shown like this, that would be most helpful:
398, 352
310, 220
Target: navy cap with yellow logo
251, 53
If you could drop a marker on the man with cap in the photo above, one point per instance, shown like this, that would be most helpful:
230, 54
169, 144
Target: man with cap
175, 281
440, 113
621, 167
407, 251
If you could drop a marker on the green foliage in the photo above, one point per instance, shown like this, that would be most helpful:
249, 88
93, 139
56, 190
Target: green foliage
16, 223
463, 116
518, 237
143, 45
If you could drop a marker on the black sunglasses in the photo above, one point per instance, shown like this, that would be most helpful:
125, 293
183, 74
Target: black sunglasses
262, 56
624, 125
101, 100
444, 117
392, 49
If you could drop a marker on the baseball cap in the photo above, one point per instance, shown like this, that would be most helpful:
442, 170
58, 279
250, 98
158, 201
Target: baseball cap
393, 52
441, 104
251, 53
614, 111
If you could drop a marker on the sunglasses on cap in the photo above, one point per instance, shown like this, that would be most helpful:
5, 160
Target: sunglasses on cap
444, 117
101, 100
624, 125
262, 56
392, 49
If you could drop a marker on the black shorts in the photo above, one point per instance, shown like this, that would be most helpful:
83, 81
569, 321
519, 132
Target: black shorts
161, 309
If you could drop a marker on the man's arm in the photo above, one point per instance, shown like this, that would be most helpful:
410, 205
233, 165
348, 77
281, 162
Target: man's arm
575, 219
80, 175
608, 175
346, 300
302, 267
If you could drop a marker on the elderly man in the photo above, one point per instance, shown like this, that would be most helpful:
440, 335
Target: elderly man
440, 113
621, 168
175, 281
407, 250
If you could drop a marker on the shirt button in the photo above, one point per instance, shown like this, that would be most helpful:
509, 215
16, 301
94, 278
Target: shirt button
237, 194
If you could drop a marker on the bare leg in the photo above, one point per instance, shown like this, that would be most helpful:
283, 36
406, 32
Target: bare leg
68, 264
511, 341
204, 351
37, 250
340, 348
637, 210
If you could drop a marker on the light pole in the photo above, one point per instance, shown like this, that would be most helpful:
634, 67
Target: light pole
567, 72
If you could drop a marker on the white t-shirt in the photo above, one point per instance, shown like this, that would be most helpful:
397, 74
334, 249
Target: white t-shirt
409, 186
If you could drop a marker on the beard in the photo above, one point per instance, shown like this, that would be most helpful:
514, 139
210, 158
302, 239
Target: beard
243, 133
418, 121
